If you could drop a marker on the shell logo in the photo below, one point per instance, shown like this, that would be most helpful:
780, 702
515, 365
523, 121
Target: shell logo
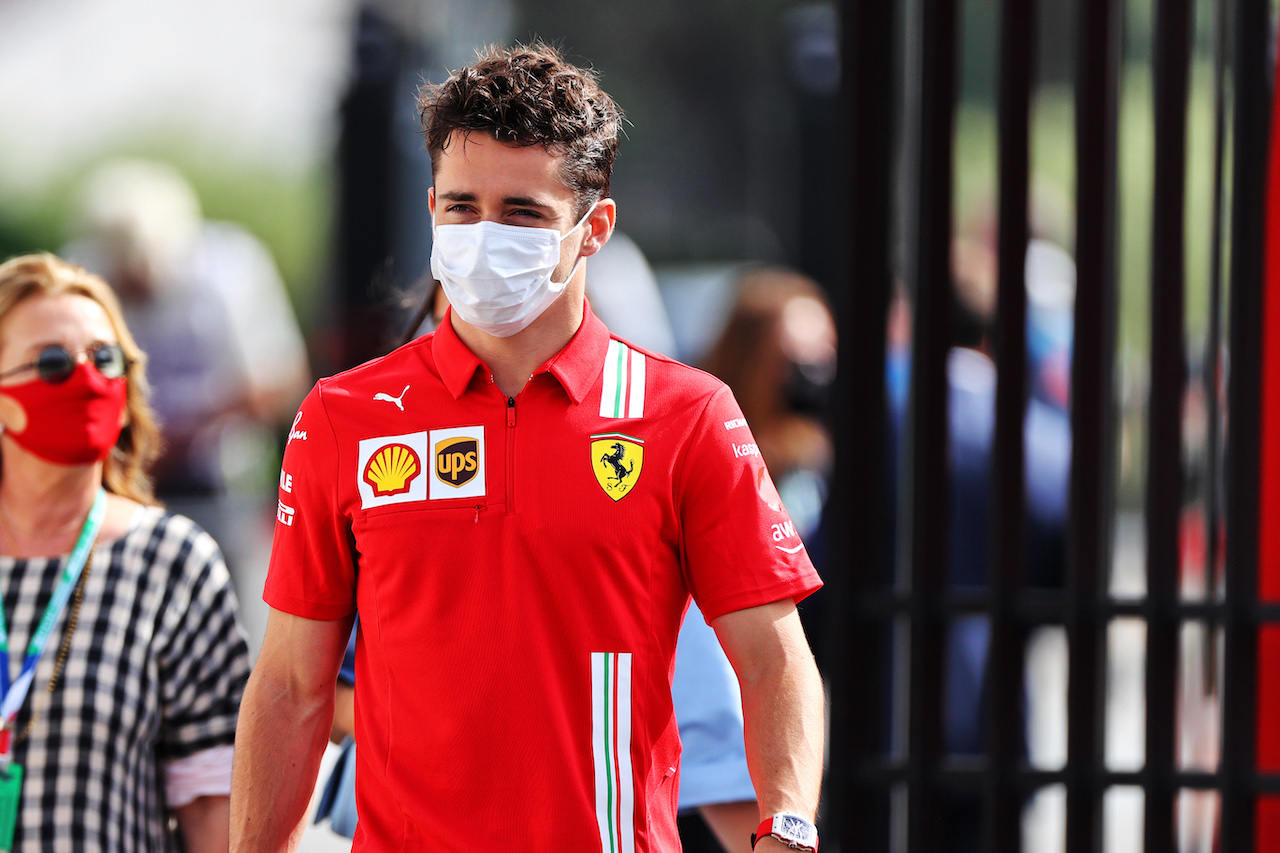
392, 469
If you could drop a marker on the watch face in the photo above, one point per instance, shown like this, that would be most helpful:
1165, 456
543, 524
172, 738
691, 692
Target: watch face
793, 829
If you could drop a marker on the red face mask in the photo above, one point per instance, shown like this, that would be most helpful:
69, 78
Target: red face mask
75, 422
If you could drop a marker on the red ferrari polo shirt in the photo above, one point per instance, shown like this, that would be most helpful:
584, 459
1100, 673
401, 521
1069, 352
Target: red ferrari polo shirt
521, 567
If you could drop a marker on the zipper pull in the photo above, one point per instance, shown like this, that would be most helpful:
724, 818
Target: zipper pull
478, 508
511, 411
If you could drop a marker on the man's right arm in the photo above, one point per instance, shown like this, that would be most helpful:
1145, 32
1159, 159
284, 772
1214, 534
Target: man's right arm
284, 724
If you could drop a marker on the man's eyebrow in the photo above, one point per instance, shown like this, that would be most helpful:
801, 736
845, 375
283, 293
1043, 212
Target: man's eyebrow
510, 201
524, 201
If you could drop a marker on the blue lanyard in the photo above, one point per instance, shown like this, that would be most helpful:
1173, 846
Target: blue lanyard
15, 693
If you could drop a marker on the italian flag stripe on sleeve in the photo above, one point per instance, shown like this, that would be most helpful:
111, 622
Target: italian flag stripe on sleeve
611, 750
622, 394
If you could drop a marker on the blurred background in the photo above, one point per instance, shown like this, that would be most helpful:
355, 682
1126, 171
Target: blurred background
269, 152
292, 118
252, 178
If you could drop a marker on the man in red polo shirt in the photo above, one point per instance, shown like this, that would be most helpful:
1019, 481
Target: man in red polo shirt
519, 506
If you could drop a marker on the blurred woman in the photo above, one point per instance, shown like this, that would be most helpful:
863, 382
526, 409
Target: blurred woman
124, 658
778, 354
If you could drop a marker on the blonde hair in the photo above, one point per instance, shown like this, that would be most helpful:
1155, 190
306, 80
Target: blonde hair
126, 471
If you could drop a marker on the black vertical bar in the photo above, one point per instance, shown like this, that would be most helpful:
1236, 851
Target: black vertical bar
1212, 367
929, 277
1008, 637
1091, 499
856, 814
1164, 430
1251, 122
1212, 377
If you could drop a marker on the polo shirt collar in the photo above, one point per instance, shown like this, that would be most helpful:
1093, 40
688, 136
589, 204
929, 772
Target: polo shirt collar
575, 367
579, 364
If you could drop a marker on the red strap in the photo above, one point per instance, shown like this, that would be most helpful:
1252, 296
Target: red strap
765, 828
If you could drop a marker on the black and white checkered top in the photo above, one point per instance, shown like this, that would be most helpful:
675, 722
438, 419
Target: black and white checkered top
155, 671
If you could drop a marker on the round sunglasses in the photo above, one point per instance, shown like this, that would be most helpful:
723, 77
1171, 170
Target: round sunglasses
55, 362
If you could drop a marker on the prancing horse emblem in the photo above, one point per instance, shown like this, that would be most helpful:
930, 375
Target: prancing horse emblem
617, 460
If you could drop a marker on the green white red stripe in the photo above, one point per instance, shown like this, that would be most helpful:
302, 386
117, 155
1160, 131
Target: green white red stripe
623, 392
611, 750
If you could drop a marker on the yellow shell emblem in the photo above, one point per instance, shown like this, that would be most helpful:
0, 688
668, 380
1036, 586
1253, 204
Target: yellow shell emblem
392, 469
616, 460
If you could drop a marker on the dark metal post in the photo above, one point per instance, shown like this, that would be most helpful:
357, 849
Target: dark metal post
1251, 120
1164, 432
364, 224
1008, 542
929, 277
856, 812
1091, 498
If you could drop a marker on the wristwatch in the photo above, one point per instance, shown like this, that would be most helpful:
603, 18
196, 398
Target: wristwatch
791, 829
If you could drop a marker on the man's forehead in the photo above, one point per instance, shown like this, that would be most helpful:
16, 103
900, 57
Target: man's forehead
476, 164
471, 144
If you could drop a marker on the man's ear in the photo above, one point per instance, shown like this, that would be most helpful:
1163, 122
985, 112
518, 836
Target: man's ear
431, 201
599, 226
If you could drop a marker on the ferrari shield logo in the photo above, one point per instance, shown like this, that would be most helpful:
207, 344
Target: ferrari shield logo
617, 460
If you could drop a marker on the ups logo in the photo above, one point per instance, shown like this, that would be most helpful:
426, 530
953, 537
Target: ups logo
457, 460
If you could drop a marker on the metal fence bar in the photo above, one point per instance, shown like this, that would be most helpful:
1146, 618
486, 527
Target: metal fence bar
1251, 111
856, 812
1211, 370
1164, 411
1091, 497
1039, 607
929, 278
969, 772
1004, 719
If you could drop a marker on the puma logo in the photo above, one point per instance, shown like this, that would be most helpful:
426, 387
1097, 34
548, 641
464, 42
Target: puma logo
387, 397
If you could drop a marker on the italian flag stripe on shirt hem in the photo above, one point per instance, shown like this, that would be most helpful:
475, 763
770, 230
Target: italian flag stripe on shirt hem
611, 750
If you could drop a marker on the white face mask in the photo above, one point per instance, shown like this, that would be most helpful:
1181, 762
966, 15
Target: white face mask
498, 277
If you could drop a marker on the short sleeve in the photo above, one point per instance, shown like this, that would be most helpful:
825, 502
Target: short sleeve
204, 774
204, 658
740, 547
312, 569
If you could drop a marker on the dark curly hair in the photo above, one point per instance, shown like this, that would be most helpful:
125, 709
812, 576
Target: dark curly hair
529, 95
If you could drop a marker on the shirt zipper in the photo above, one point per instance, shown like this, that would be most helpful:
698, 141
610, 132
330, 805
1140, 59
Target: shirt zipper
511, 459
